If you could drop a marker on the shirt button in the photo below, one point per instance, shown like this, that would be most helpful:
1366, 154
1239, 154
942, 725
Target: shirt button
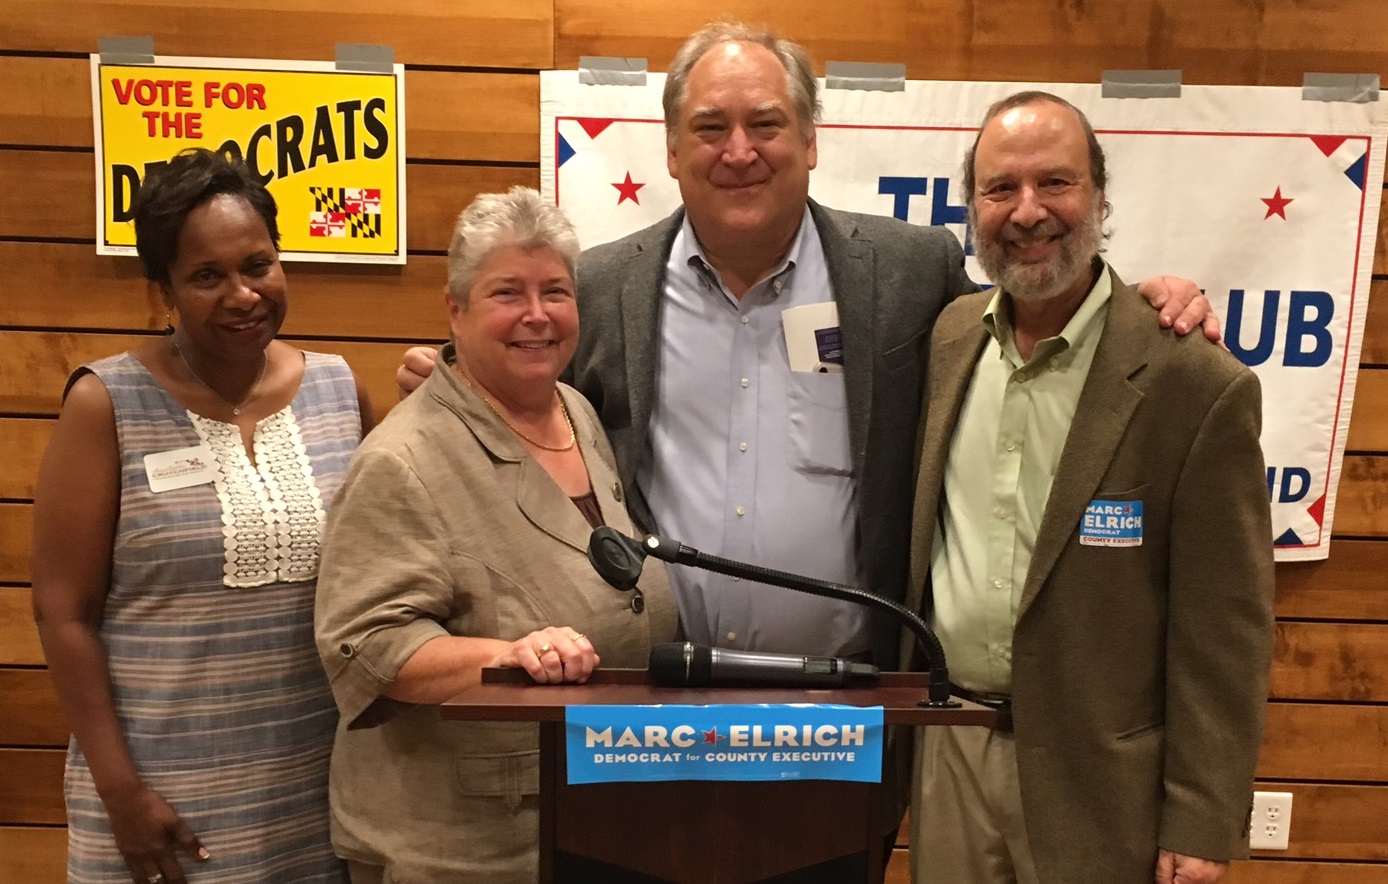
743, 320
617, 491
741, 511
347, 650
744, 382
1000, 512
1011, 446
742, 447
777, 286
997, 583
732, 636
638, 603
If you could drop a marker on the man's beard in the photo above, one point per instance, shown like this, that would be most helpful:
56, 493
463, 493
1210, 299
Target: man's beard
1048, 278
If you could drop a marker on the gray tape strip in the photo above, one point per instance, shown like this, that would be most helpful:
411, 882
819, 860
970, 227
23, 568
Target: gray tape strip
126, 50
1357, 88
603, 70
372, 58
865, 75
1142, 84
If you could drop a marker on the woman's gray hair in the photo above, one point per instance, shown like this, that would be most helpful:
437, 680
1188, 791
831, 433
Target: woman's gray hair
519, 217
800, 79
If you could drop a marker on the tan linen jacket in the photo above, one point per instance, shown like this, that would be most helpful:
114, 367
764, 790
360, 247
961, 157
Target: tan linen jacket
446, 526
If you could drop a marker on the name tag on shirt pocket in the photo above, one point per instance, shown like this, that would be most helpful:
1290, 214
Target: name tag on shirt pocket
818, 412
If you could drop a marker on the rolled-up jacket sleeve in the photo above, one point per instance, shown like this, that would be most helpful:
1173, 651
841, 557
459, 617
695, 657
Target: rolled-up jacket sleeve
385, 585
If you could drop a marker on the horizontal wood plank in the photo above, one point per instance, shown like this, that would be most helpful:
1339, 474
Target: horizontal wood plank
33, 854
1349, 585
1368, 426
1375, 349
1274, 872
22, 440
1297, 734
35, 365
450, 115
84, 290
1361, 507
1220, 41
16, 529
514, 34
31, 786
19, 638
1330, 661
1334, 822
51, 195
32, 714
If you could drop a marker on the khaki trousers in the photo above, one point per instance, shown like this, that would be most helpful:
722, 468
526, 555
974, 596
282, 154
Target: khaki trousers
966, 810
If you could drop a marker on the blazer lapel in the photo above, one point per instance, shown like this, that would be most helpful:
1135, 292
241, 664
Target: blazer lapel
641, 296
952, 359
1106, 404
849, 260
541, 499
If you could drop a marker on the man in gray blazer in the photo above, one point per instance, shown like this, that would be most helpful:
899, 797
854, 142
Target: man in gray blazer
1093, 538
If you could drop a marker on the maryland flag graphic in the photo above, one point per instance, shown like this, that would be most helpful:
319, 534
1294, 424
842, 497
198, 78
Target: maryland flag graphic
341, 212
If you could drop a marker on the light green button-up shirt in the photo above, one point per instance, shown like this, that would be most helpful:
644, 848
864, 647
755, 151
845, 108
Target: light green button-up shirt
1006, 446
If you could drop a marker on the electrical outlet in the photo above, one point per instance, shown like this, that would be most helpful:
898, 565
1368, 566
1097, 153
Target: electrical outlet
1271, 821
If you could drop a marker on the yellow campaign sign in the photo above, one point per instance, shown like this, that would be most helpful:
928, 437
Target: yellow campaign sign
329, 145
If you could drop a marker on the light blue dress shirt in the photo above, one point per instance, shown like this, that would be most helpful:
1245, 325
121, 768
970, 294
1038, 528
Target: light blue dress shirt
751, 461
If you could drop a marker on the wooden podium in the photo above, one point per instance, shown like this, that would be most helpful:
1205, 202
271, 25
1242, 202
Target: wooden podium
699, 832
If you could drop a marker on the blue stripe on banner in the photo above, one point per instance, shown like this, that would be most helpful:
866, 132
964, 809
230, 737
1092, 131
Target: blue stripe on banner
610, 744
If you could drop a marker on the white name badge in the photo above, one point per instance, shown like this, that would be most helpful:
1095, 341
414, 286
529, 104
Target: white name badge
180, 468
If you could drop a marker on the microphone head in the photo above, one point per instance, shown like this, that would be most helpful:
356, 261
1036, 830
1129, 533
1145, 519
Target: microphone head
681, 664
616, 557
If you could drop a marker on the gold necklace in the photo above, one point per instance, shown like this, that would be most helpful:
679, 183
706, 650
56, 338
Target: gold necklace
563, 409
235, 409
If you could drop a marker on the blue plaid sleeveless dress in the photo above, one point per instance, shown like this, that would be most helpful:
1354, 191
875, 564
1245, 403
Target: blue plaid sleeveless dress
209, 632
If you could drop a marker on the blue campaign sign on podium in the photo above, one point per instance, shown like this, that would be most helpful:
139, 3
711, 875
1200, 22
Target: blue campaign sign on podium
607, 744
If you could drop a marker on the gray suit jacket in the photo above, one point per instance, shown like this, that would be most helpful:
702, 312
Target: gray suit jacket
1139, 674
890, 279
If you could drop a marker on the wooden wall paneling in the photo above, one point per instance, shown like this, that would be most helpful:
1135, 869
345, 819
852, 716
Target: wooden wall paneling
474, 116
438, 193
931, 37
46, 101
22, 442
16, 529
1375, 350
31, 786
1274, 872
514, 34
1297, 734
449, 115
52, 195
68, 285
33, 716
1368, 426
1334, 822
36, 854
1381, 246
35, 365
1361, 507
19, 638
1330, 661
1349, 585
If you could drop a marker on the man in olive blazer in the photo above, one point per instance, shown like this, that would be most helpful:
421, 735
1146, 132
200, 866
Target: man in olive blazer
890, 280
1138, 671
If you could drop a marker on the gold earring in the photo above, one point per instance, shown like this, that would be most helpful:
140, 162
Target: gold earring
168, 322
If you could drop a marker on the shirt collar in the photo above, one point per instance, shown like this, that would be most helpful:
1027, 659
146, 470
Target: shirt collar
686, 252
998, 321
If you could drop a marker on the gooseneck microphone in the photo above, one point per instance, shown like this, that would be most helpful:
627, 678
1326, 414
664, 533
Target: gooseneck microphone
618, 559
684, 664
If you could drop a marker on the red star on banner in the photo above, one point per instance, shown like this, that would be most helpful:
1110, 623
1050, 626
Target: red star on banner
627, 189
1277, 205
711, 736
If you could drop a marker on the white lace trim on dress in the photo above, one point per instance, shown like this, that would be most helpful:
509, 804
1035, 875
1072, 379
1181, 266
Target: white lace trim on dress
272, 513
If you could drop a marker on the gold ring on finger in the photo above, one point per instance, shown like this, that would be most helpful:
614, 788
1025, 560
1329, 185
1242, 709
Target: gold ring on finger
544, 649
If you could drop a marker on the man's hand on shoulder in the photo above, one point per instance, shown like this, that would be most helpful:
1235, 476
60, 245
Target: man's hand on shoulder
1183, 306
415, 368
1176, 868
